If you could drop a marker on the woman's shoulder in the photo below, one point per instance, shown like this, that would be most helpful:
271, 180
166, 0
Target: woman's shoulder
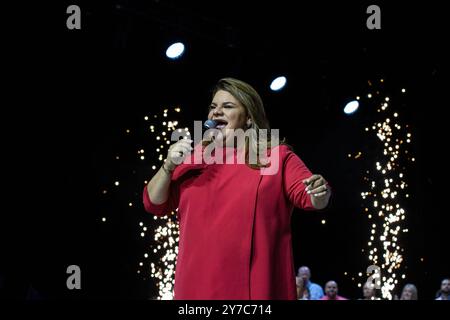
275, 158
282, 149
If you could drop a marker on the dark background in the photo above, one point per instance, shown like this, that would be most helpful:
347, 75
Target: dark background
74, 92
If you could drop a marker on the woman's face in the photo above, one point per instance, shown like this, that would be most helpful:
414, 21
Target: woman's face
407, 294
227, 111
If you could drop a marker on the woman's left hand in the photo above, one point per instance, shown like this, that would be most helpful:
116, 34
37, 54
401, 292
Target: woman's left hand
316, 185
319, 190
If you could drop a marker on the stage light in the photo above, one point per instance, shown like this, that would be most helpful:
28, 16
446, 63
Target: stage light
351, 107
278, 84
175, 50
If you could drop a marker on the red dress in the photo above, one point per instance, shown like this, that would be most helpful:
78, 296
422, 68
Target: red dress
235, 231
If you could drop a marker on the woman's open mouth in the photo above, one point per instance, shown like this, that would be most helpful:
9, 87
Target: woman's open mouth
221, 124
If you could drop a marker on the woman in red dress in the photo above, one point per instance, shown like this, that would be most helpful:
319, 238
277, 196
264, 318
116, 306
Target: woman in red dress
235, 236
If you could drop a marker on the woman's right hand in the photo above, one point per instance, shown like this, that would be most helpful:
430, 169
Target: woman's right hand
177, 153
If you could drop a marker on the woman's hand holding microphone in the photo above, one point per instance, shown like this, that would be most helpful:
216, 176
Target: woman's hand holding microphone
176, 154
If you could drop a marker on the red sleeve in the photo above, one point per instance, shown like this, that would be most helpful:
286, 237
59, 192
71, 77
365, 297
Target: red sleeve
164, 208
294, 172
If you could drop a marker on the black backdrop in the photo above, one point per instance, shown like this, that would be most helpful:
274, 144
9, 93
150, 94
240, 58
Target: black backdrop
73, 93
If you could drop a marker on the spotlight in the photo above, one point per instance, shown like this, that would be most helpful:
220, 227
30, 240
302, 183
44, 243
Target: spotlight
278, 84
351, 107
175, 50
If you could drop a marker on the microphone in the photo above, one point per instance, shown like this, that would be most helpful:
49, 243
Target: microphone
210, 124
